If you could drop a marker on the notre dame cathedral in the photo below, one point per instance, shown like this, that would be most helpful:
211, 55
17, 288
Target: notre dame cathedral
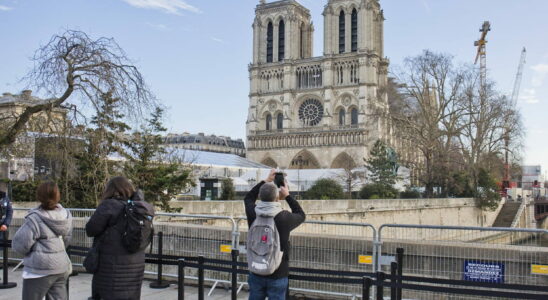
317, 112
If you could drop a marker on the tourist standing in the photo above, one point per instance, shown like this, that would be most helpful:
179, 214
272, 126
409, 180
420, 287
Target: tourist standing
42, 239
120, 273
274, 285
6, 213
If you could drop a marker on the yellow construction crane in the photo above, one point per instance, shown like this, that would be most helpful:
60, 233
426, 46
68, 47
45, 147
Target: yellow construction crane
481, 54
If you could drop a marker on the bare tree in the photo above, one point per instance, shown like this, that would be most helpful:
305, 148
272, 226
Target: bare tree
74, 67
429, 112
442, 111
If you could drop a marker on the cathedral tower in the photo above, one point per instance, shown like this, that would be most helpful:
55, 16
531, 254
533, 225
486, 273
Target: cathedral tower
316, 112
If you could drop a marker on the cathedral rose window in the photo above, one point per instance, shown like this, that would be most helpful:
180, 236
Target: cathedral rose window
311, 112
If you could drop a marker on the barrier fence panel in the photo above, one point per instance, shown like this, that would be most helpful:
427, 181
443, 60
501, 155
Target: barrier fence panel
195, 235
329, 246
468, 254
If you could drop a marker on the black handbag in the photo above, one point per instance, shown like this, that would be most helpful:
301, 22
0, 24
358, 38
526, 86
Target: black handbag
91, 261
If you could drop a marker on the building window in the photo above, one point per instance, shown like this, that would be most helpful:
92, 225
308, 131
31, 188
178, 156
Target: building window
354, 116
341, 32
281, 41
301, 45
280, 121
269, 42
268, 122
354, 34
341, 116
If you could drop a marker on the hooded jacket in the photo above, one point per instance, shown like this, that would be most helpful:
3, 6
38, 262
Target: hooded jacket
43, 239
285, 222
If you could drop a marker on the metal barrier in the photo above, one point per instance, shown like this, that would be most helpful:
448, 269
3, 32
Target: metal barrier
326, 245
335, 249
476, 254
193, 235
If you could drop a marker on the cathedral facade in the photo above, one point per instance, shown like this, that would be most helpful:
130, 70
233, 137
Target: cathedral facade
316, 112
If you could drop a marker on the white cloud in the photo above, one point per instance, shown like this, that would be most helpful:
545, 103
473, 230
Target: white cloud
541, 71
168, 6
529, 96
161, 27
5, 8
218, 40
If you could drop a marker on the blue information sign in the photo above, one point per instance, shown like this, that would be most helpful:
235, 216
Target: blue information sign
484, 271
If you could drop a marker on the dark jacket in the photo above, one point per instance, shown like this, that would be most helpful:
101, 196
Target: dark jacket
285, 222
120, 273
6, 211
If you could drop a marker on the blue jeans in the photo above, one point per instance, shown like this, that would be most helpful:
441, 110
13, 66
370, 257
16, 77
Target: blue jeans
261, 287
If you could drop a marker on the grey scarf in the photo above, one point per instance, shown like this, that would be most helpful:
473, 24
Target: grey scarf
268, 209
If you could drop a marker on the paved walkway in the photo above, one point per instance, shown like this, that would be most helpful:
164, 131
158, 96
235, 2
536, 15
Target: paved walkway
80, 289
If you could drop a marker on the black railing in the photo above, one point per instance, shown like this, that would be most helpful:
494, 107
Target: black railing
395, 281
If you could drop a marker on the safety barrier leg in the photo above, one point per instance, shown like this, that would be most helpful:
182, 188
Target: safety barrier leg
181, 279
159, 283
366, 287
380, 289
68, 287
5, 283
393, 280
399, 260
201, 277
234, 275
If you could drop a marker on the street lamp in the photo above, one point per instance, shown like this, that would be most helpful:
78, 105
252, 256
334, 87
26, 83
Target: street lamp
251, 182
299, 162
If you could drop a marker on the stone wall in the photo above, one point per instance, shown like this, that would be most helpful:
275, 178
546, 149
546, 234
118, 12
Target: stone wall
449, 211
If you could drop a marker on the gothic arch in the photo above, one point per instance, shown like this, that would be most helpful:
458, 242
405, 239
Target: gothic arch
341, 101
304, 160
268, 161
343, 161
270, 106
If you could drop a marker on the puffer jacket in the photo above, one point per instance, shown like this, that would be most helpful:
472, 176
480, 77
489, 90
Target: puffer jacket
120, 273
43, 239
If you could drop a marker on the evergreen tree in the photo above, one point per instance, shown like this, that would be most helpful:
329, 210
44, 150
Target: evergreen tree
150, 167
324, 189
93, 164
227, 190
381, 167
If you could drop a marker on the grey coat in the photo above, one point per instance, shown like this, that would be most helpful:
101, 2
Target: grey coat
43, 239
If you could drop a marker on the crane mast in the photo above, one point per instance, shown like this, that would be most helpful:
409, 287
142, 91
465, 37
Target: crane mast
519, 75
481, 55
513, 102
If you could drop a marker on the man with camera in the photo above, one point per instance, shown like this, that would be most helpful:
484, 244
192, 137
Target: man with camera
268, 237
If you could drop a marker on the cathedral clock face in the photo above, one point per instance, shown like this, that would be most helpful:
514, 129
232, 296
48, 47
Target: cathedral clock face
311, 112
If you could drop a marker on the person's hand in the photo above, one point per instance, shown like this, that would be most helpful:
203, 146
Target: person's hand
284, 191
3, 228
271, 176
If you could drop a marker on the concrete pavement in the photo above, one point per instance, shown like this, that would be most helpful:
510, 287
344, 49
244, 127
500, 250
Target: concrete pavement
80, 289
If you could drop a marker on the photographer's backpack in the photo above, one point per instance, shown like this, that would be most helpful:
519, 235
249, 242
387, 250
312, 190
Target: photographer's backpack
136, 226
264, 254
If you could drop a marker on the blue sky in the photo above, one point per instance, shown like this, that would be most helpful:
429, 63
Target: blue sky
194, 53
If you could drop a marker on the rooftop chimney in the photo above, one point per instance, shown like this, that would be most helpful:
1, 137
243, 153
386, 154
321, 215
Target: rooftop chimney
26, 94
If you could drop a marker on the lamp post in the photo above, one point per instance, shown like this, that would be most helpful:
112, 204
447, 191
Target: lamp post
299, 162
251, 182
10, 190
